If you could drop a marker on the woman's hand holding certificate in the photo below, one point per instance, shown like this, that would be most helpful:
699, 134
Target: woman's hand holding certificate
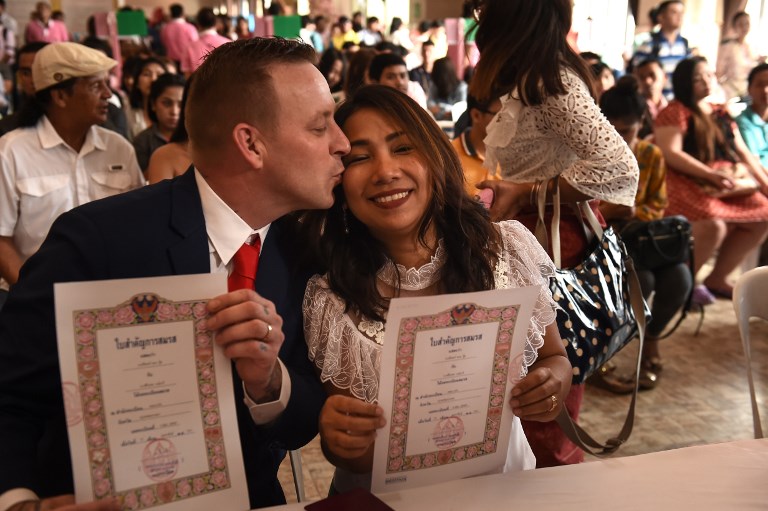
348, 428
536, 396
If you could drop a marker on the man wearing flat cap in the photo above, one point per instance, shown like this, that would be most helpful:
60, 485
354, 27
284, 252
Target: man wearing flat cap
59, 158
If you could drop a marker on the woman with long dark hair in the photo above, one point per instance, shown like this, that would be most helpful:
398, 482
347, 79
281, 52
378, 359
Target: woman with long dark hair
357, 73
446, 90
402, 225
165, 104
400, 35
333, 66
172, 159
698, 140
548, 126
137, 110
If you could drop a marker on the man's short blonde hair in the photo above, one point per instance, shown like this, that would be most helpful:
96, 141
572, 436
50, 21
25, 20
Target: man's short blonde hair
234, 84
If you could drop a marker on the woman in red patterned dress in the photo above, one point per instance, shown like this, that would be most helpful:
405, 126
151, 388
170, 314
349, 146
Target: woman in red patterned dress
697, 139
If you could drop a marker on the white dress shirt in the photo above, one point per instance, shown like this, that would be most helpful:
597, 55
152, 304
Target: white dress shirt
226, 234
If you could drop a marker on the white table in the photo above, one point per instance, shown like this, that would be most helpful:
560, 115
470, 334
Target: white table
726, 476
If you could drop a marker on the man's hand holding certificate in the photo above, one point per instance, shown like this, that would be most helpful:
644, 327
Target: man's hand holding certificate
255, 357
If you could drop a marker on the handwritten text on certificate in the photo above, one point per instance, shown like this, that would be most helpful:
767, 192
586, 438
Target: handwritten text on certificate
451, 393
448, 366
159, 412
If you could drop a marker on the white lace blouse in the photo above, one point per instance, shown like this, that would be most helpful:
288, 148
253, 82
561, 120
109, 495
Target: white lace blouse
348, 351
566, 135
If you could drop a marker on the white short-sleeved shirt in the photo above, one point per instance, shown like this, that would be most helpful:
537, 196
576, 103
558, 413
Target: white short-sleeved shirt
42, 177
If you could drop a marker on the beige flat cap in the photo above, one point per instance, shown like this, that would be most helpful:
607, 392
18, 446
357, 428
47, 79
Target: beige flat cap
58, 62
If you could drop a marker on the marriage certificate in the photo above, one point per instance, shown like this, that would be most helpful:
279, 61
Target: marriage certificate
448, 366
148, 395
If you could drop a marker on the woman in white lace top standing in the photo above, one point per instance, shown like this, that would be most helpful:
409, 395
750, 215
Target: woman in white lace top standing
402, 225
548, 126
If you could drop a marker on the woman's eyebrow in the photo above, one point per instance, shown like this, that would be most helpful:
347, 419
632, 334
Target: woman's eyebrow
364, 141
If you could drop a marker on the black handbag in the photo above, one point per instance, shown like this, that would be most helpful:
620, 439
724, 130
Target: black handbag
658, 243
601, 309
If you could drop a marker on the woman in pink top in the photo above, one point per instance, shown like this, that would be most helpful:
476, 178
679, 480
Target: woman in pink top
42, 28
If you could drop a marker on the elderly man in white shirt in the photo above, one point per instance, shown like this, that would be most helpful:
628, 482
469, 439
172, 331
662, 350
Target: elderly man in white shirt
59, 158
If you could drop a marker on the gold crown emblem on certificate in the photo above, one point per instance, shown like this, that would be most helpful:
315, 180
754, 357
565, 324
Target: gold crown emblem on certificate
145, 306
461, 313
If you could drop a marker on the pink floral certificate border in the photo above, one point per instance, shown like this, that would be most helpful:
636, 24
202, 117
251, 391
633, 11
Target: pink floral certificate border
463, 314
148, 308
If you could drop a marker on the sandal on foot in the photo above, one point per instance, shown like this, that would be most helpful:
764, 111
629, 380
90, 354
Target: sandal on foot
702, 296
624, 384
648, 379
653, 364
611, 383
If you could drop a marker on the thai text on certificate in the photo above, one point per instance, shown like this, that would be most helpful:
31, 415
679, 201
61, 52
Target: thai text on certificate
448, 366
148, 395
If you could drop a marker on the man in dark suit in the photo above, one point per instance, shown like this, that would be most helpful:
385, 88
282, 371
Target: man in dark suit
264, 143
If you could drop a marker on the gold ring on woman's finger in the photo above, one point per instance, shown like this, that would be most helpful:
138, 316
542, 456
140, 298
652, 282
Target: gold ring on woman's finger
269, 331
554, 403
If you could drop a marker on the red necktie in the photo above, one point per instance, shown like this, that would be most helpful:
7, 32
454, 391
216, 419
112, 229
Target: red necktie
244, 266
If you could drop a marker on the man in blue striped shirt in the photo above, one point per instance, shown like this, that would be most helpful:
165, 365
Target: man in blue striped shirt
666, 45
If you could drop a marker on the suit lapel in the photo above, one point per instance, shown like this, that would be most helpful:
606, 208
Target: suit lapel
190, 254
272, 278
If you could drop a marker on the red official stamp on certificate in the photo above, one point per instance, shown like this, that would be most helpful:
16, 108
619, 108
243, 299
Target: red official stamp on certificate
159, 460
448, 432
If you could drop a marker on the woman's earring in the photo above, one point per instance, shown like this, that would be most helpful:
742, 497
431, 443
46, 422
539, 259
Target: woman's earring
344, 219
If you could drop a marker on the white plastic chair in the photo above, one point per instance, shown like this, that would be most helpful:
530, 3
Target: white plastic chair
298, 475
749, 301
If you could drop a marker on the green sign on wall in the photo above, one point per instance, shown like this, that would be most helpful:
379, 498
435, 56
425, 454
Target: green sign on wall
287, 26
131, 23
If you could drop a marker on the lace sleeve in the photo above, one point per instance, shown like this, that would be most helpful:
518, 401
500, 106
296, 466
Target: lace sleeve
342, 355
605, 167
501, 131
524, 263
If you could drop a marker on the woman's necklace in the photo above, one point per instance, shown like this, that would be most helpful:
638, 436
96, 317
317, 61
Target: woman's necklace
413, 279
410, 279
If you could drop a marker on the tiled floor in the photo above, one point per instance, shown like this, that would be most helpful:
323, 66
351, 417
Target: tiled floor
702, 397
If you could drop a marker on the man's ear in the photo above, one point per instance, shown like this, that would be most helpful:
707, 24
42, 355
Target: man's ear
59, 97
250, 143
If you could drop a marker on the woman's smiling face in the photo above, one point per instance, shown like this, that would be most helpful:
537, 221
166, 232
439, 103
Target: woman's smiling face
386, 181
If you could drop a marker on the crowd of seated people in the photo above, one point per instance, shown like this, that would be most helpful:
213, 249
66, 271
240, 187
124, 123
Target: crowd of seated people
695, 142
689, 117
